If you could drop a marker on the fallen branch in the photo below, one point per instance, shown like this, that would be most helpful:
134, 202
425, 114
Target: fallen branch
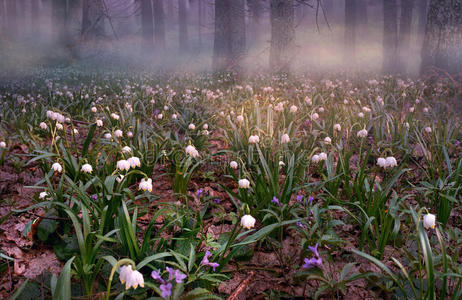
241, 286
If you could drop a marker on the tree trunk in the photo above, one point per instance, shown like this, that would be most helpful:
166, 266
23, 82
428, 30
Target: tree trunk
255, 10
147, 28
11, 18
159, 24
282, 34
443, 36
229, 42
404, 41
59, 17
351, 20
237, 33
170, 13
390, 36
183, 25
328, 7
422, 14
35, 17
92, 20
362, 18
199, 24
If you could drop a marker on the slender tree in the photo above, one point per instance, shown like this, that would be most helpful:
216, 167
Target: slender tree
93, 17
229, 40
170, 12
11, 18
183, 25
351, 20
390, 36
282, 34
443, 36
404, 42
59, 17
422, 18
199, 23
255, 11
35, 17
147, 27
159, 24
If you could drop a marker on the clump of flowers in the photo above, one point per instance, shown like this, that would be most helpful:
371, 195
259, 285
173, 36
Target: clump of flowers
192, 151
205, 261
146, 184
388, 162
87, 168
244, 183
166, 285
362, 133
254, 139
131, 278
315, 261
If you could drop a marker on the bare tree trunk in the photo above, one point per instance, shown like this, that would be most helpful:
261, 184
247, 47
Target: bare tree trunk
351, 21
404, 41
237, 33
443, 36
221, 44
35, 17
183, 25
170, 13
147, 27
328, 6
59, 16
390, 36
282, 34
159, 24
199, 24
92, 20
11, 18
422, 6
362, 19
255, 10
229, 42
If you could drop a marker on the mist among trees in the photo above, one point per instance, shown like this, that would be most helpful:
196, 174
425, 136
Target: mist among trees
389, 36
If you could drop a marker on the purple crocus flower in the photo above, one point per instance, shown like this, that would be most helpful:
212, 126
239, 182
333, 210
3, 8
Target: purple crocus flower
200, 192
217, 201
156, 112
275, 200
94, 197
179, 277
171, 273
300, 198
312, 262
205, 261
310, 199
156, 275
166, 289
314, 249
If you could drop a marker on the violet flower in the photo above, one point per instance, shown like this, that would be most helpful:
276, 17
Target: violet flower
314, 261
166, 289
275, 200
205, 261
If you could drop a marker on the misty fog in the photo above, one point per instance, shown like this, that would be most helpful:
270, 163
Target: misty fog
30, 37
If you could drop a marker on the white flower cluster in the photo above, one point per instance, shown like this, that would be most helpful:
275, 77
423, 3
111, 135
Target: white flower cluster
319, 157
131, 278
388, 162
